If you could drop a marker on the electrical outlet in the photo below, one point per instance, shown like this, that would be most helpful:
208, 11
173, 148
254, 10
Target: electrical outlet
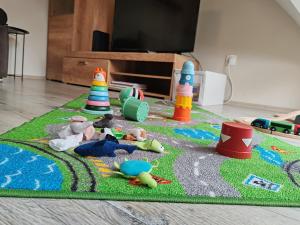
231, 60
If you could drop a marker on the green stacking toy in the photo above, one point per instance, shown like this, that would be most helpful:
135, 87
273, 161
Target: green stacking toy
131, 92
135, 109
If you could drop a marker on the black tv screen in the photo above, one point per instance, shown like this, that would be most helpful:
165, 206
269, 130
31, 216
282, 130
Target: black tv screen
155, 25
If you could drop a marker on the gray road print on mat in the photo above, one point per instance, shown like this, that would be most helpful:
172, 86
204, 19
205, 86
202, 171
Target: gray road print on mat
197, 169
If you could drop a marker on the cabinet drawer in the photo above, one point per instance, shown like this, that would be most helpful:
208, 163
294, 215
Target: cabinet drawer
81, 70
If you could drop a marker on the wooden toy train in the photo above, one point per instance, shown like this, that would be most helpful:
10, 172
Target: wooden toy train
278, 126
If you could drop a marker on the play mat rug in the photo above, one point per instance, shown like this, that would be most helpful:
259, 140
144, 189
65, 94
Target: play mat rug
189, 171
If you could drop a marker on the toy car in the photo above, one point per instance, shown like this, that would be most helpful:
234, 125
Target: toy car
261, 123
297, 129
282, 127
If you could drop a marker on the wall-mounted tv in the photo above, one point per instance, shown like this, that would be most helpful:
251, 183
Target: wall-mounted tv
155, 25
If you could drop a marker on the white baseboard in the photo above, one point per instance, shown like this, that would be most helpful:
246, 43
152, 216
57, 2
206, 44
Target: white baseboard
29, 77
263, 107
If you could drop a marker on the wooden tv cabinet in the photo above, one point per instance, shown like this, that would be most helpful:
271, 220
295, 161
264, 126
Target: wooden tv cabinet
155, 70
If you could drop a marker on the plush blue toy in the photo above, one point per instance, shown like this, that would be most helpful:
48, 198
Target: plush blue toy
103, 148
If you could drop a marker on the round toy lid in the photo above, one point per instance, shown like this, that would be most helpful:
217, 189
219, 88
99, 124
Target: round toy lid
135, 167
142, 112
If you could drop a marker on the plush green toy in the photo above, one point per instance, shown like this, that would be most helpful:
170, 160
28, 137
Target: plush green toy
150, 145
139, 169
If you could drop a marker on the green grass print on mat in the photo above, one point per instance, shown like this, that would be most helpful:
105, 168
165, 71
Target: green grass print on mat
110, 185
233, 174
117, 188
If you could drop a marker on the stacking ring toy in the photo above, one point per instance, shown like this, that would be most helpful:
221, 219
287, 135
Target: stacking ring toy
99, 93
97, 103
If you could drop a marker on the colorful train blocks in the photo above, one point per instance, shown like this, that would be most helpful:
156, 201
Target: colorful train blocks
184, 93
235, 141
98, 99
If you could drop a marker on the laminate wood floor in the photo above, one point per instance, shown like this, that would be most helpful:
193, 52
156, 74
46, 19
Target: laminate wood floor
20, 102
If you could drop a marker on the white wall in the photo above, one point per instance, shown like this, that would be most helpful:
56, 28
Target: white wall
267, 42
31, 15
292, 7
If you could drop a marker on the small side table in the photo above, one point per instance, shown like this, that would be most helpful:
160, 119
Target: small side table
18, 31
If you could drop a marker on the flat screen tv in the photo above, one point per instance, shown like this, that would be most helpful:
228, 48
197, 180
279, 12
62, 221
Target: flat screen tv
155, 25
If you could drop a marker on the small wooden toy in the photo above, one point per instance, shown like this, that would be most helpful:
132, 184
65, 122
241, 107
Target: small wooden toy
235, 141
297, 119
297, 129
262, 123
283, 125
279, 128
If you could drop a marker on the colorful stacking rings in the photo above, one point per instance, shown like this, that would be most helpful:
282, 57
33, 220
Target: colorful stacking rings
99, 93
97, 103
99, 88
97, 112
97, 108
99, 83
98, 98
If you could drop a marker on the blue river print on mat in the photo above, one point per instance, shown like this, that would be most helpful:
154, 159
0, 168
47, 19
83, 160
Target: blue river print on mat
22, 169
216, 126
196, 133
269, 156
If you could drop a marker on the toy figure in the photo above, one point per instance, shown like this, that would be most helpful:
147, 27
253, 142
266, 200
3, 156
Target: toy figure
137, 169
151, 145
103, 148
136, 134
106, 122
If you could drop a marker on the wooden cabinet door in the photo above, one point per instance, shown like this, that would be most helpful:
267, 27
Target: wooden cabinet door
59, 44
81, 70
